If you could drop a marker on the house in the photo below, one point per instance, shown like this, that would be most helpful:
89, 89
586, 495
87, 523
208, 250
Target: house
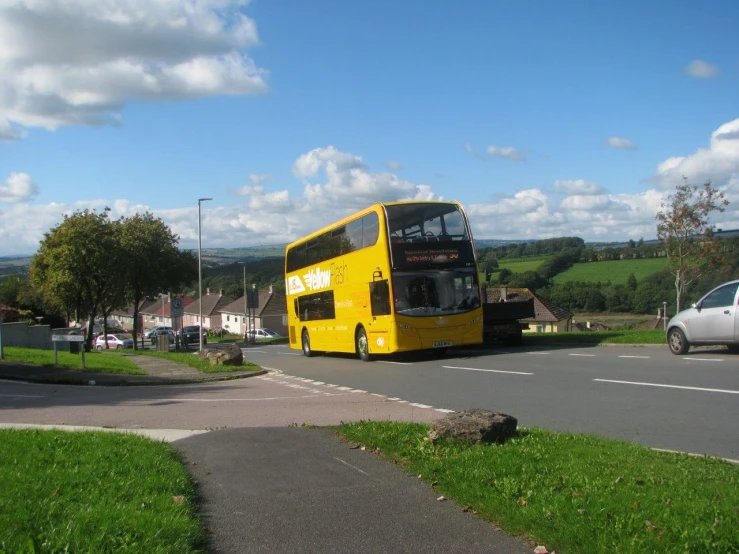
125, 315
548, 318
212, 306
158, 312
271, 313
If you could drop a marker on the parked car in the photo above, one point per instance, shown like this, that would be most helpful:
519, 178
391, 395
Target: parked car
190, 334
155, 331
714, 319
114, 341
263, 334
154, 335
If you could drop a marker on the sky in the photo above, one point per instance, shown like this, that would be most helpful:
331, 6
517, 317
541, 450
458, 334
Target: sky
544, 119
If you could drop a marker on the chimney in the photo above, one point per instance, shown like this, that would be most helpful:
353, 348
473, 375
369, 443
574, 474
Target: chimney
503, 294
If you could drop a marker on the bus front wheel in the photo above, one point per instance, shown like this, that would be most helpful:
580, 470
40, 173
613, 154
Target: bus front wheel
307, 352
363, 345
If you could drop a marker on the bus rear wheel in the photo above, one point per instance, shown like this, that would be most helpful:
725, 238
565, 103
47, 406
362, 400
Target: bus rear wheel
363, 345
307, 352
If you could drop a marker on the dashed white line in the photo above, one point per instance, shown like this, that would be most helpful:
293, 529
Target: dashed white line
640, 357
583, 355
701, 389
704, 359
420, 405
486, 370
389, 362
444, 411
538, 353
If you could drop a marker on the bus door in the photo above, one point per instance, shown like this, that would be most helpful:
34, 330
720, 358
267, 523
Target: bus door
378, 332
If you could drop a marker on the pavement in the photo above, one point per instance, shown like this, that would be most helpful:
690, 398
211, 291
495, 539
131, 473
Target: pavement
298, 489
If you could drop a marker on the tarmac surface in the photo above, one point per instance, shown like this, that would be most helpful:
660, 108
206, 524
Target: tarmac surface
296, 489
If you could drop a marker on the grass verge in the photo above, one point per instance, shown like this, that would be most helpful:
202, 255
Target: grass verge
94, 492
116, 361
193, 360
95, 362
574, 493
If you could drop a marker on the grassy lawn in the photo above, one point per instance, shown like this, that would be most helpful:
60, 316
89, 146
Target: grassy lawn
615, 271
96, 362
625, 336
94, 492
193, 360
116, 361
574, 493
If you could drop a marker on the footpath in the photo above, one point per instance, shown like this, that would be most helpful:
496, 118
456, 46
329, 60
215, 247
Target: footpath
294, 489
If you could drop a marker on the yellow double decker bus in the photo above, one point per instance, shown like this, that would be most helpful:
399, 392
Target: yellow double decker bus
394, 277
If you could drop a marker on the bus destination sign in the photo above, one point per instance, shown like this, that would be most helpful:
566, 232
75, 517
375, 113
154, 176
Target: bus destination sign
432, 255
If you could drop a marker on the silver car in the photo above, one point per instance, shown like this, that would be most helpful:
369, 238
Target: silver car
714, 319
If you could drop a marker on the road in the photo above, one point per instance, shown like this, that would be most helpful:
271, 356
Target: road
640, 394
644, 394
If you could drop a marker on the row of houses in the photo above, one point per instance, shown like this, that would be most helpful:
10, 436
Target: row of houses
218, 312
227, 313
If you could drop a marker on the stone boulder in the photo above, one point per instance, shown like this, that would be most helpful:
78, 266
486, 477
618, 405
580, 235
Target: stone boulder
474, 426
231, 355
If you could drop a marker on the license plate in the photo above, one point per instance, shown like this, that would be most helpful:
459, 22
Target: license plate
442, 343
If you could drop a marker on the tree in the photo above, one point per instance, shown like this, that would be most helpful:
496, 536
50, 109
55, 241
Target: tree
153, 261
77, 267
686, 236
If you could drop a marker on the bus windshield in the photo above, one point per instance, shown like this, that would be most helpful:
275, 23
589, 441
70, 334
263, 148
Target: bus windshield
429, 292
424, 222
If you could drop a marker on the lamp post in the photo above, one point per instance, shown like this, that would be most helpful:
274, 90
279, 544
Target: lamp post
200, 281
245, 304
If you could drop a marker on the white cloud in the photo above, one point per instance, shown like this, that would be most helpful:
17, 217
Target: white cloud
701, 69
337, 183
620, 143
8, 133
719, 163
507, 152
18, 187
393, 165
348, 181
78, 63
471, 149
576, 187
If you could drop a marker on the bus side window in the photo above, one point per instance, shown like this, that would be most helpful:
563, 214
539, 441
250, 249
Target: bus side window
380, 297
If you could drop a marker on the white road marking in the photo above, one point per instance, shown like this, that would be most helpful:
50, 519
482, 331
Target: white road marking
487, 370
420, 405
667, 386
20, 396
538, 353
288, 354
351, 466
343, 388
444, 411
704, 359
583, 355
389, 362
640, 357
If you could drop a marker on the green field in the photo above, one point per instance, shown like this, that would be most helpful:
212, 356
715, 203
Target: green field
519, 265
615, 271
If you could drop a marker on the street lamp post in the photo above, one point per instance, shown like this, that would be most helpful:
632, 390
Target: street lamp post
200, 280
245, 304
